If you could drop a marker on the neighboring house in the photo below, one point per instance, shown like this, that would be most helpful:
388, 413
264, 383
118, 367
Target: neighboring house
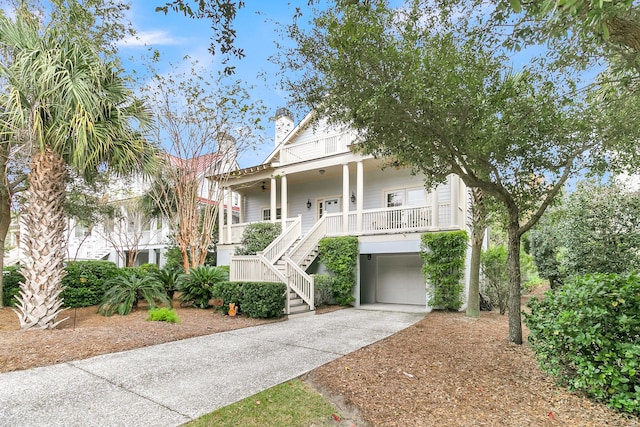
316, 185
130, 229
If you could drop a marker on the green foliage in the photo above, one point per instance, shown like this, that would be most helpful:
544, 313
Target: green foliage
323, 289
546, 247
163, 314
228, 292
444, 255
169, 279
495, 277
127, 289
173, 259
258, 236
292, 403
340, 256
263, 299
595, 230
11, 285
84, 283
197, 287
601, 231
587, 334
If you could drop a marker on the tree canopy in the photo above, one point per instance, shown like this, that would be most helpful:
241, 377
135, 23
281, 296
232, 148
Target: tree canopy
443, 101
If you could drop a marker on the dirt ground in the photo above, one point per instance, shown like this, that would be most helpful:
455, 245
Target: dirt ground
446, 370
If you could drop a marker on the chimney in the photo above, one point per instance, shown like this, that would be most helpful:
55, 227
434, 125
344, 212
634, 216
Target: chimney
284, 124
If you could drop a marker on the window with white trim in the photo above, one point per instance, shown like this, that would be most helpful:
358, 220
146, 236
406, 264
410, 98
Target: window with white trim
266, 214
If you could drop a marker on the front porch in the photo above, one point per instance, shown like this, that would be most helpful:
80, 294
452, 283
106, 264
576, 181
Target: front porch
288, 257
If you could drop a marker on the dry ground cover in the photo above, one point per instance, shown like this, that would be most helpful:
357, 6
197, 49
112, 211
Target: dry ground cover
446, 370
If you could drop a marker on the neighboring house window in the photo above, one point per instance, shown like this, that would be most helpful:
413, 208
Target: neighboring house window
266, 214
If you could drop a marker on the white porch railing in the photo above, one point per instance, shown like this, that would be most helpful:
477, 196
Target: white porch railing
317, 148
310, 240
284, 241
254, 268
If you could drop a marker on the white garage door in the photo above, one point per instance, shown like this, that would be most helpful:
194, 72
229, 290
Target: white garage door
400, 280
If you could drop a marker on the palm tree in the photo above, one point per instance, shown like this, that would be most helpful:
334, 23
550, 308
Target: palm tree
79, 116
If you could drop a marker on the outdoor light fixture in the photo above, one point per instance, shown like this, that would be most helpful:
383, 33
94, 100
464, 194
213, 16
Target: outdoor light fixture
353, 197
263, 186
308, 203
321, 171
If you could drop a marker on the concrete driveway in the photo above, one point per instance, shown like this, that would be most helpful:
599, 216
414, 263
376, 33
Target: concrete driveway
173, 383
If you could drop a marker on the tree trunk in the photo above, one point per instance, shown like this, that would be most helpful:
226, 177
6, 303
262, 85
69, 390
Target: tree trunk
473, 297
478, 227
39, 303
513, 263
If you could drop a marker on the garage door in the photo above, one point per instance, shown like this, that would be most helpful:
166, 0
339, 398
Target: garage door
400, 280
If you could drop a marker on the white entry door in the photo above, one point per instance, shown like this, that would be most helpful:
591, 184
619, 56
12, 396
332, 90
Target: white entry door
328, 206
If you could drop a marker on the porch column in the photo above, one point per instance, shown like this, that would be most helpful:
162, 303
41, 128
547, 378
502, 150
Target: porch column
272, 203
435, 208
221, 236
453, 183
346, 200
359, 195
229, 195
283, 200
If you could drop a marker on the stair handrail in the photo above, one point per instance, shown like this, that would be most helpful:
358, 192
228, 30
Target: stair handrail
283, 242
300, 282
317, 232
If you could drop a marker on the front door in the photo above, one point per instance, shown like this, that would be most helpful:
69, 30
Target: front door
328, 206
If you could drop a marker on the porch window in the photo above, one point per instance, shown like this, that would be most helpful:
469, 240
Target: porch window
266, 214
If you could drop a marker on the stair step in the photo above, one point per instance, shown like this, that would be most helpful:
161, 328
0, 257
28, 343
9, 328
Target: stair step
298, 308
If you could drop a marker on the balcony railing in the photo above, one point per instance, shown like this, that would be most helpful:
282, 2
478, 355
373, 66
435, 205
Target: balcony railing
315, 149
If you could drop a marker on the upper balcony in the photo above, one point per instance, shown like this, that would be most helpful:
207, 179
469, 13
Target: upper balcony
316, 148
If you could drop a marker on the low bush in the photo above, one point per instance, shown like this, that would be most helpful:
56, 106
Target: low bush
169, 279
263, 300
197, 287
163, 314
127, 289
587, 335
84, 283
228, 292
11, 285
323, 289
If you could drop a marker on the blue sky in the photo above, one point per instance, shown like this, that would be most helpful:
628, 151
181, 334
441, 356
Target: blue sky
175, 36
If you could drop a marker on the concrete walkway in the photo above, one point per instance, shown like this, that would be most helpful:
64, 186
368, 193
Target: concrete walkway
173, 383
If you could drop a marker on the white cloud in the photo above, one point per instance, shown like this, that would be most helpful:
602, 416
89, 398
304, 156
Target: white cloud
147, 38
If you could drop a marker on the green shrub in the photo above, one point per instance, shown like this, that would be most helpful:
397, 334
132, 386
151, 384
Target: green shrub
169, 279
197, 287
228, 292
495, 276
587, 334
127, 289
340, 256
258, 236
84, 283
263, 300
163, 314
444, 256
11, 285
323, 289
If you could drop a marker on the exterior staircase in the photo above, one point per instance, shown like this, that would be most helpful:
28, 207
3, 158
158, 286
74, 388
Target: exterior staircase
297, 307
286, 259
